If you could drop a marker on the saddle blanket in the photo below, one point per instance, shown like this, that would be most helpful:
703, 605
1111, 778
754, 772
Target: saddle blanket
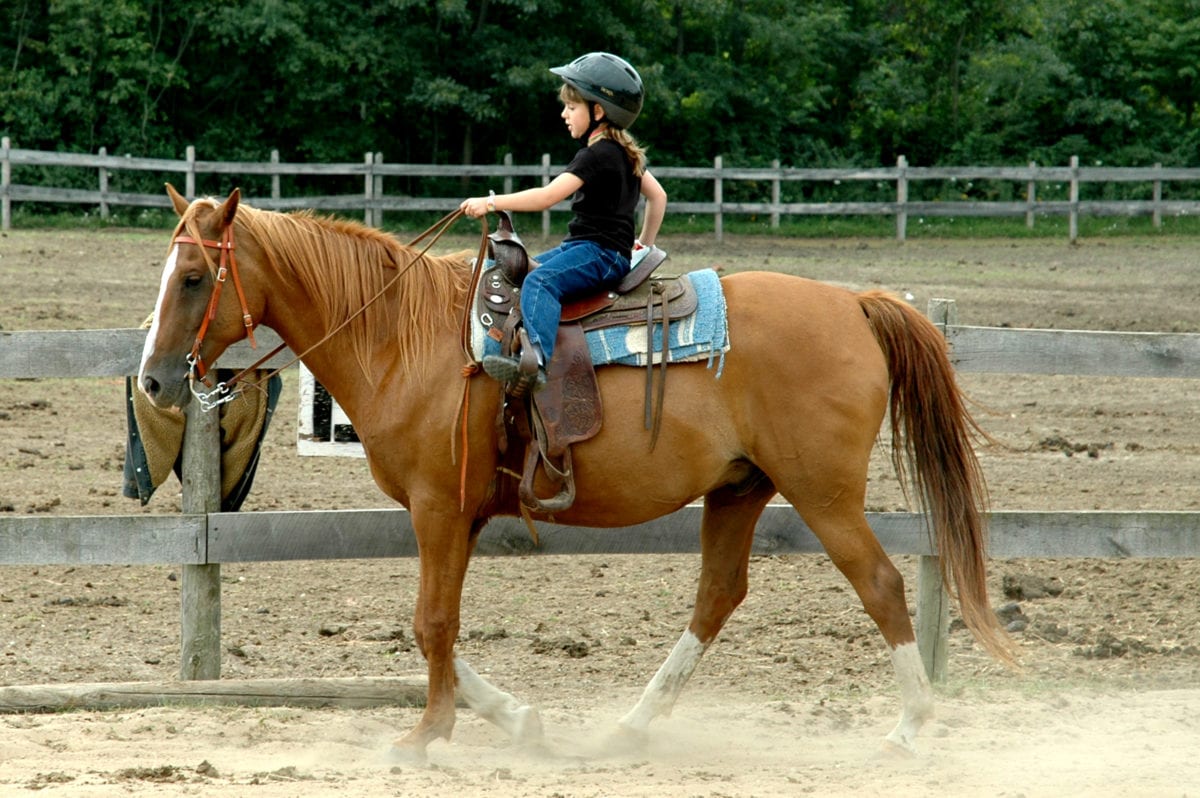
704, 335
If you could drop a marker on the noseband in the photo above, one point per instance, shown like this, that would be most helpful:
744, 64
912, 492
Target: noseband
226, 266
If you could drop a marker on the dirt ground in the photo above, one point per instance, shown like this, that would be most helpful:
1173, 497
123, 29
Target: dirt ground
794, 697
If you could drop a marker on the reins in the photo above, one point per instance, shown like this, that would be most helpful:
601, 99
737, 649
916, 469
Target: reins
221, 393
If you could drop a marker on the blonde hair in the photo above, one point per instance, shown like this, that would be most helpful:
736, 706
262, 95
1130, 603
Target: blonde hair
635, 152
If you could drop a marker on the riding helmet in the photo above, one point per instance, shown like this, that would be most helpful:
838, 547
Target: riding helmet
608, 80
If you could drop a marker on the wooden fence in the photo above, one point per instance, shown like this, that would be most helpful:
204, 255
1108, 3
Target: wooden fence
373, 200
200, 539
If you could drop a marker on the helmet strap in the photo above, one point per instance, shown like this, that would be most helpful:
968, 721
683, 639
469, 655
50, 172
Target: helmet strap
593, 123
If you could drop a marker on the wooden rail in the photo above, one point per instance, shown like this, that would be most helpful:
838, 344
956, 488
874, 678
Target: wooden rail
201, 539
373, 200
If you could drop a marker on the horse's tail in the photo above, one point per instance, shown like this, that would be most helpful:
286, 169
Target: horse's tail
932, 435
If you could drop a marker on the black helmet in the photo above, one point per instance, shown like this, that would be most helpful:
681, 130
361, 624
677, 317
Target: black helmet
606, 79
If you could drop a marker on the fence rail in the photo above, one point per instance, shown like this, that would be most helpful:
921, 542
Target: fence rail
201, 539
373, 200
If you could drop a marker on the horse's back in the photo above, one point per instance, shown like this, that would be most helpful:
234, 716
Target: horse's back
803, 377
799, 327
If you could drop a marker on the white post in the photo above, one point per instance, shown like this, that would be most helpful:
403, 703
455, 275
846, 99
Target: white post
901, 198
508, 181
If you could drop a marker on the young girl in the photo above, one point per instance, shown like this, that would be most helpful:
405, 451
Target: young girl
601, 96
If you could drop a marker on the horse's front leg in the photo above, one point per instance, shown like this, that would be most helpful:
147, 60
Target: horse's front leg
444, 545
444, 554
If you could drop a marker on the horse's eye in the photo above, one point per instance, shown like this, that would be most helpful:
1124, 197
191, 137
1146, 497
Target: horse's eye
192, 281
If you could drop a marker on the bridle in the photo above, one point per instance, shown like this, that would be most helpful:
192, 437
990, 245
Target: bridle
225, 246
227, 266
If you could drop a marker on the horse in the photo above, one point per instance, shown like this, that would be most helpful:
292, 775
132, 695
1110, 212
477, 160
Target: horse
810, 375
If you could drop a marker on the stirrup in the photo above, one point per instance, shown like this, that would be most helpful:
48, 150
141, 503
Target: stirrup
519, 376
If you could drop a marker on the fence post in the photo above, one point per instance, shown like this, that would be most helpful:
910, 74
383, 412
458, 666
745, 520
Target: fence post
377, 211
901, 198
1031, 194
5, 182
1157, 198
718, 200
1073, 219
546, 182
776, 194
368, 187
933, 603
103, 185
508, 181
275, 193
200, 588
189, 181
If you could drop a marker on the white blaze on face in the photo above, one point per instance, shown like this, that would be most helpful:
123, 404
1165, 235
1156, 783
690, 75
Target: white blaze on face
148, 349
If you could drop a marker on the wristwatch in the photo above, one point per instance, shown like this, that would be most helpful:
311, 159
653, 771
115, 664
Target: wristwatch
491, 203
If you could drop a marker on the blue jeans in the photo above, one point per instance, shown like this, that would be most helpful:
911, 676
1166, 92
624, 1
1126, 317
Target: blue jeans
568, 271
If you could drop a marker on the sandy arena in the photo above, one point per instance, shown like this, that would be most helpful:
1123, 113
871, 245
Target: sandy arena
793, 699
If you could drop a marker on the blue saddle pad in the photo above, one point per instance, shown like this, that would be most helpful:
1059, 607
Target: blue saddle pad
704, 335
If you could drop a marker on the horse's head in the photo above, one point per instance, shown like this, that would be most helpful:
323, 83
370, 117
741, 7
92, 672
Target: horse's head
194, 320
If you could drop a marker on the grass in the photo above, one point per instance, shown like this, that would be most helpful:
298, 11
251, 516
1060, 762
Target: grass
881, 227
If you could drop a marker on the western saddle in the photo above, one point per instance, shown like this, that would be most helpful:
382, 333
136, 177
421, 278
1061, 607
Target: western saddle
567, 409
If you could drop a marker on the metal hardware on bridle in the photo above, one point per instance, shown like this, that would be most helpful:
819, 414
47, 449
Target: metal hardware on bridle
207, 402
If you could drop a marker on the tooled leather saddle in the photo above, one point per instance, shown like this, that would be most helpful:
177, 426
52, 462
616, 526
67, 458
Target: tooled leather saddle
568, 409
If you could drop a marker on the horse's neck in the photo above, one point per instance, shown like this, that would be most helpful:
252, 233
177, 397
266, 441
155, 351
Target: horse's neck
339, 371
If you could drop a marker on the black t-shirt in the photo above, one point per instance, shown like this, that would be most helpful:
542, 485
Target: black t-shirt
605, 203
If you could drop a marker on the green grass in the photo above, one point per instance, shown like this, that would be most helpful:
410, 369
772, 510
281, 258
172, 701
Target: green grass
883, 227
90, 219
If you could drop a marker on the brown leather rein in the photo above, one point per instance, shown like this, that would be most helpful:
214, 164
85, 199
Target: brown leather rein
227, 267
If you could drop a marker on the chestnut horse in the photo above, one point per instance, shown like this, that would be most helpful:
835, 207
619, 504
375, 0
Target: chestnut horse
811, 373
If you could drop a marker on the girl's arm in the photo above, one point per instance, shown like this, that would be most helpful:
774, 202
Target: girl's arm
531, 199
656, 208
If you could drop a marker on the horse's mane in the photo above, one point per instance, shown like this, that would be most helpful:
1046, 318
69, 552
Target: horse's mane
343, 264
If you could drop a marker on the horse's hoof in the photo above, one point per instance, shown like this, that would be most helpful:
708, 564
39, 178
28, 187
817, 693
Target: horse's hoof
625, 741
893, 750
400, 755
528, 733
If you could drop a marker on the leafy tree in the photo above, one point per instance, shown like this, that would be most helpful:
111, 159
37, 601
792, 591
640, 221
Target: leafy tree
852, 82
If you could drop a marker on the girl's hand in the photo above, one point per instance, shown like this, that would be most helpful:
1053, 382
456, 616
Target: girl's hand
475, 206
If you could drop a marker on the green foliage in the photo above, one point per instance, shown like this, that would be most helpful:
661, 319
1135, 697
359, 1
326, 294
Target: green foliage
816, 83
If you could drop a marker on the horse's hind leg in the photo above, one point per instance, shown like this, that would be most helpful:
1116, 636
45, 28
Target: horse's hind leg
520, 721
726, 535
854, 549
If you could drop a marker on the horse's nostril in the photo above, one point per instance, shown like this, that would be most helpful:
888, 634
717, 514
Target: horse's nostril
150, 386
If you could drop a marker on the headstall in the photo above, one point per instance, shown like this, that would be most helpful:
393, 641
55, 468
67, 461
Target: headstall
226, 267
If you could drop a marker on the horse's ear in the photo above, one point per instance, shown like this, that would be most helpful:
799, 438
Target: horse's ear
229, 207
177, 200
